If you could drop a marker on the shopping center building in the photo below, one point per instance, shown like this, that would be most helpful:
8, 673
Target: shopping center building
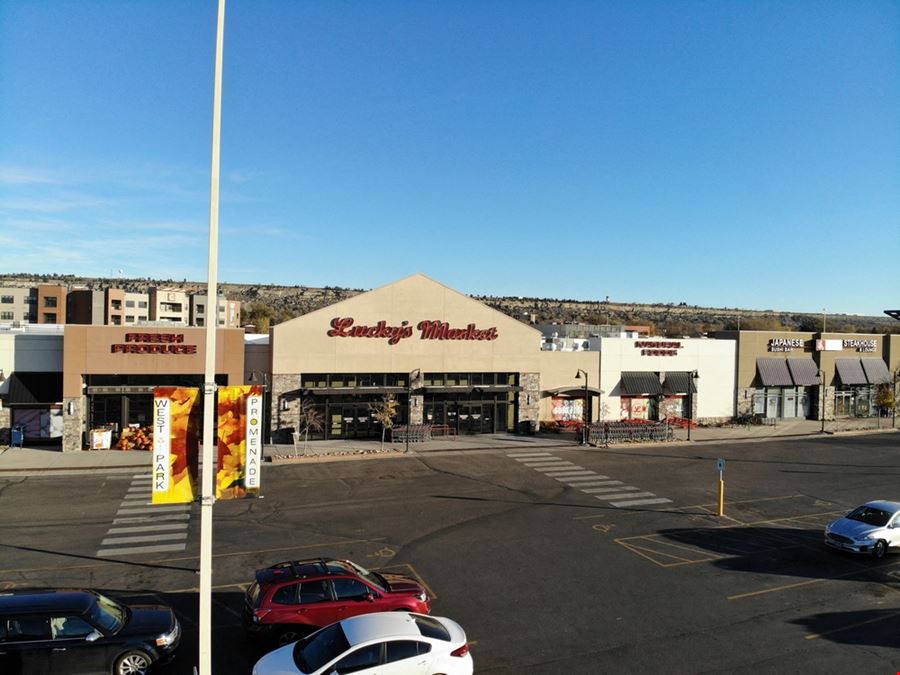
447, 360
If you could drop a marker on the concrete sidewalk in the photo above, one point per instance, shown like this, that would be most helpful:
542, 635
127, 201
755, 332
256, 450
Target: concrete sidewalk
30, 461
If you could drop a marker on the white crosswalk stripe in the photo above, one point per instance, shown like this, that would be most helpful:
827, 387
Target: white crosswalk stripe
587, 481
140, 527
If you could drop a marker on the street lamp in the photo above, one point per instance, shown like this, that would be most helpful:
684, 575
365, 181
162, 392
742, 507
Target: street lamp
693, 376
267, 417
587, 405
822, 396
409, 390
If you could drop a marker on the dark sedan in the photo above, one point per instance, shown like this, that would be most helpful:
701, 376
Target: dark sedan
82, 632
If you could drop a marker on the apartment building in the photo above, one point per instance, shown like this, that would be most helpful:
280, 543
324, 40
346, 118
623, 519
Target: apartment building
228, 311
51, 303
18, 305
59, 304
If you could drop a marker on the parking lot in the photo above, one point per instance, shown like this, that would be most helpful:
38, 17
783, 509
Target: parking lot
539, 557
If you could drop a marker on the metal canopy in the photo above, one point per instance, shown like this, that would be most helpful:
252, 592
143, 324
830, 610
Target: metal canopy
876, 371
679, 383
804, 371
572, 390
850, 371
35, 388
635, 383
774, 372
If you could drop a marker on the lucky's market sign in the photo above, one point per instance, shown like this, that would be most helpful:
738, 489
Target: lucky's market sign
346, 327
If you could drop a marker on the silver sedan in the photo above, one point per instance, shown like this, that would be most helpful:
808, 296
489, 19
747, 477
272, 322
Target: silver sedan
873, 528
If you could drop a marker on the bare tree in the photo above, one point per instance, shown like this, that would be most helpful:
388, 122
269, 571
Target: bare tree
310, 417
385, 411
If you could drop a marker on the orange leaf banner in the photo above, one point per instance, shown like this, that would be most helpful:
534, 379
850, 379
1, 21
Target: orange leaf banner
240, 435
176, 419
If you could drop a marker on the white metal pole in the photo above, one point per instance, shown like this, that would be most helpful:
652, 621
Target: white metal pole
207, 495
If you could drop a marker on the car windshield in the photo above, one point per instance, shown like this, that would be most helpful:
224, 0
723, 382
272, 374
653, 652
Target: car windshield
318, 649
107, 614
372, 577
870, 516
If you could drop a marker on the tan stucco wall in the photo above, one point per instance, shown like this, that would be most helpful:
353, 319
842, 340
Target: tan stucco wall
88, 350
303, 345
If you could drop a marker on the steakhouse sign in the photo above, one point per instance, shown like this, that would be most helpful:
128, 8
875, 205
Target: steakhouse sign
428, 330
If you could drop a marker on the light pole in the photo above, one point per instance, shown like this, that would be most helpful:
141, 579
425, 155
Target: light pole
409, 391
693, 376
822, 396
587, 405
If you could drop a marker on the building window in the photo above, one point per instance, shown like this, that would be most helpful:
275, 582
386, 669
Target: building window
142, 304
199, 322
116, 304
129, 318
129, 303
199, 309
7, 299
50, 302
115, 320
143, 317
6, 316
49, 317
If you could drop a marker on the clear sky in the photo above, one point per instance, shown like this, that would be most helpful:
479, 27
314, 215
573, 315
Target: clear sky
719, 153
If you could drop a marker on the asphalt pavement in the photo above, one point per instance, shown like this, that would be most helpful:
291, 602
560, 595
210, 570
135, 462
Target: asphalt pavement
35, 460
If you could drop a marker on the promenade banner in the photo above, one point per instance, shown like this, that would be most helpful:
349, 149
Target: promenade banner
176, 420
240, 440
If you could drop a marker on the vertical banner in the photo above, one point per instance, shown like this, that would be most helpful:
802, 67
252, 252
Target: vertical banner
240, 433
176, 419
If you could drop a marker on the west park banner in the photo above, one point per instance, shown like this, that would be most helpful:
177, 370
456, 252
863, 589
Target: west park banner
240, 434
176, 419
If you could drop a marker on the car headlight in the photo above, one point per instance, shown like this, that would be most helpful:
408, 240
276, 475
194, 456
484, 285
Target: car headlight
168, 639
422, 596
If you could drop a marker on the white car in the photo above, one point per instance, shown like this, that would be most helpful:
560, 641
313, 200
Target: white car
386, 643
873, 528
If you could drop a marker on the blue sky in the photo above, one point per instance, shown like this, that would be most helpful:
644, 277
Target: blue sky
718, 153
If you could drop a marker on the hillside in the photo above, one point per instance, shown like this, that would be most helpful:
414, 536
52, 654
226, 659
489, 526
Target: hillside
279, 303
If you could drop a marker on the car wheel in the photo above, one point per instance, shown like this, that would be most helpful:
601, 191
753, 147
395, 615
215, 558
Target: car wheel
132, 663
879, 550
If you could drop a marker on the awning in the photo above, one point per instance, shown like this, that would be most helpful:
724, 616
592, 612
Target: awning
35, 388
572, 390
876, 371
347, 391
679, 383
774, 372
850, 371
635, 383
804, 371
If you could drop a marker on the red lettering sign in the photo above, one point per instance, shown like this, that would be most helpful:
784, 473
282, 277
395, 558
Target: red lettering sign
154, 343
428, 330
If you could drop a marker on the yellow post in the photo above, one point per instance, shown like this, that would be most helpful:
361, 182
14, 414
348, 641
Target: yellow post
721, 497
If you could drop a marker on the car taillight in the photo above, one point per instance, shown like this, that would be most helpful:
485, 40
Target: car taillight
462, 651
259, 614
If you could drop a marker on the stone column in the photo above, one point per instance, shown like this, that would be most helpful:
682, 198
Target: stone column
73, 425
529, 399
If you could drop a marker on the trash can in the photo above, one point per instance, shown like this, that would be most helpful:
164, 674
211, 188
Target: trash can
18, 436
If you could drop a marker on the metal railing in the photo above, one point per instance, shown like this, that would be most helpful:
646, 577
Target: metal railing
629, 432
413, 433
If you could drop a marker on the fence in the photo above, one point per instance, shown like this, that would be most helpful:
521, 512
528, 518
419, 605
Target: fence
627, 432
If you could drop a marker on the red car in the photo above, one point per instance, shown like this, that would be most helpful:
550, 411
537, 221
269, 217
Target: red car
291, 599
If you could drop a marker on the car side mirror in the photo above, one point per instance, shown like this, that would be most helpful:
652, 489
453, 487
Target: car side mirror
93, 636
371, 597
